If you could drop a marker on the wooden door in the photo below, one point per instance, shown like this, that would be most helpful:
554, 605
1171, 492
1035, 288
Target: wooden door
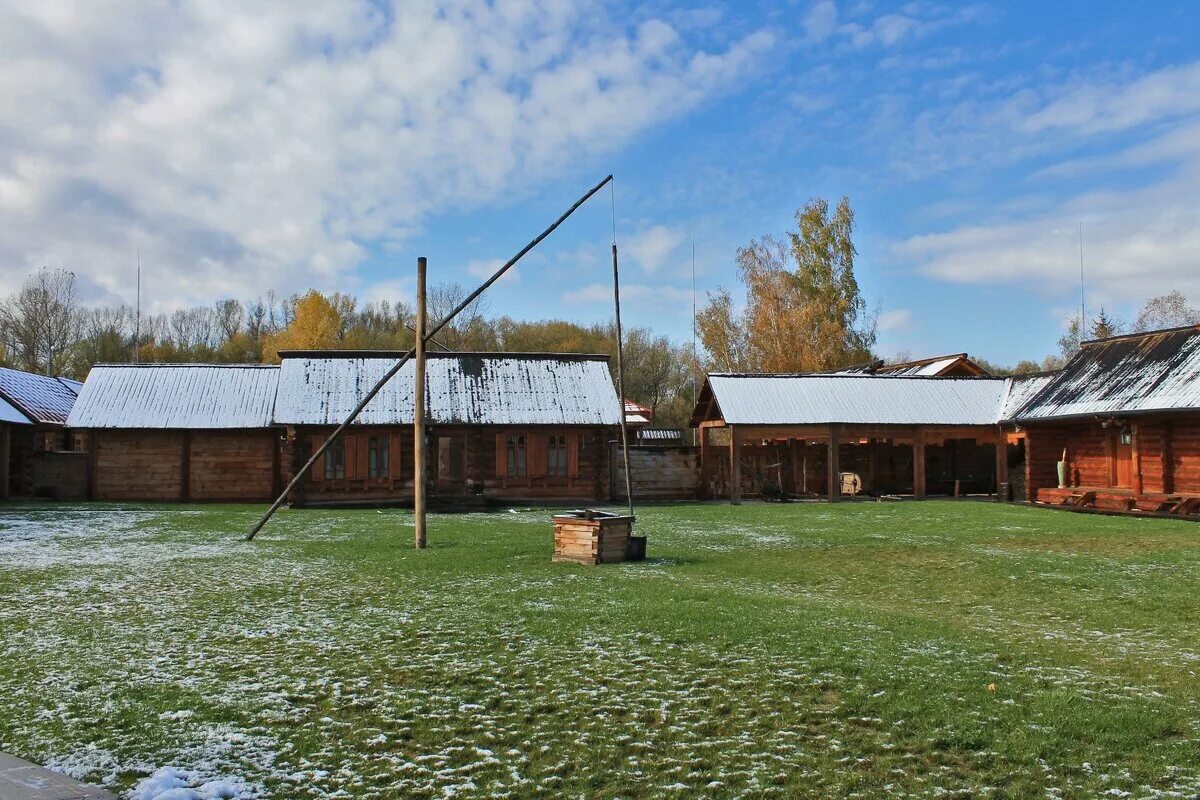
450, 463
1123, 470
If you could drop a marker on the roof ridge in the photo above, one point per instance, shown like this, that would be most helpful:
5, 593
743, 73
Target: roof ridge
1194, 328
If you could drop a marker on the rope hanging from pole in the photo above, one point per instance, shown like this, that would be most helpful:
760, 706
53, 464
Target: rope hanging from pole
620, 354
429, 334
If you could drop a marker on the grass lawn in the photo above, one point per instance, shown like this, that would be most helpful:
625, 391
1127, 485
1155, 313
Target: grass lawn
912, 649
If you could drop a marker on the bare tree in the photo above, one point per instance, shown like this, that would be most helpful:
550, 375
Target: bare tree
40, 323
230, 317
1171, 310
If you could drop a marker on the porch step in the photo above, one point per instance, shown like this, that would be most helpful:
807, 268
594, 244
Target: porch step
1079, 499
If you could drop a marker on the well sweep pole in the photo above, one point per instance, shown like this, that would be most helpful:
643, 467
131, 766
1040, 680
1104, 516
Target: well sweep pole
471, 298
419, 415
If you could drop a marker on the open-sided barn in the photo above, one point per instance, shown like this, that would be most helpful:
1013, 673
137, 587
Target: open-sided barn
1124, 418
180, 432
798, 433
33, 415
499, 425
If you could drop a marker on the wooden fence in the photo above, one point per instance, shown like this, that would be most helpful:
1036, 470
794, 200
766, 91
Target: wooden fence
660, 472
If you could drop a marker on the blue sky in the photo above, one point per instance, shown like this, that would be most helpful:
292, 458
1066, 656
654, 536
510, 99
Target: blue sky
245, 149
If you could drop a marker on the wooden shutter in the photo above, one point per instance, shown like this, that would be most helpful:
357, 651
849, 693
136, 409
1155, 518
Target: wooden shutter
573, 456
536, 457
318, 469
501, 455
395, 456
350, 456
363, 452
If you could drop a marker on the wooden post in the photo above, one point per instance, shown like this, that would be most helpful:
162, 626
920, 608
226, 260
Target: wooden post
1135, 465
185, 468
702, 439
1168, 459
872, 466
735, 465
5, 446
919, 464
1001, 467
833, 464
419, 415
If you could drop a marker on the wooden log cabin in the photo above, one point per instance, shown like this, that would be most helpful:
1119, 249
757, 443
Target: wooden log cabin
1125, 413
501, 427
180, 432
33, 416
832, 435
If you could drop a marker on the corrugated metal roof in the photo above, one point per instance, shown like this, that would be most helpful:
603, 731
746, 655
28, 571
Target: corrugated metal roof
1156, 371
929, 369
925, 367
868, 400
11, 414
476, 388
1020, 389
196, 396
41, 398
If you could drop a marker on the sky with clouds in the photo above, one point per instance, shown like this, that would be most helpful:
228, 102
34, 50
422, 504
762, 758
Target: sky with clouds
244, 147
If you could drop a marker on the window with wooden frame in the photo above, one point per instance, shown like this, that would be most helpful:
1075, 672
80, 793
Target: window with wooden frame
556, 456
514, 450
335, 460
378, 450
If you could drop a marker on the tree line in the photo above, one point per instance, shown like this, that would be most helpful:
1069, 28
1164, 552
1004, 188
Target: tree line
44, 329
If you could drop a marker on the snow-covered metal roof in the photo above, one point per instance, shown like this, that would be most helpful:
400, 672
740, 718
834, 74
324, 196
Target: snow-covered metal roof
41, 398
461, 388
11, 414
1155, 371
856, 399
176, 396
1021, 389
925, 367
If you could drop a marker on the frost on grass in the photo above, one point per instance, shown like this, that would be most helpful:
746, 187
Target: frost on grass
311, 664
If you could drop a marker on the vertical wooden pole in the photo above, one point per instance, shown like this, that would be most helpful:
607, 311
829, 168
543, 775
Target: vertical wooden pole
621, 373
834, 465
1136, 459
419, 415
919, 464
1168, 459
4, 448
1001, 467
735, 465
702, 439
185, 468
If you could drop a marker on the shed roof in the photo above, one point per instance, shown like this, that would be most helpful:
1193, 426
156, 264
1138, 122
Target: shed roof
176, 396
1133, 374
854, 399
461, 388
11, 414
39, 397
954, 364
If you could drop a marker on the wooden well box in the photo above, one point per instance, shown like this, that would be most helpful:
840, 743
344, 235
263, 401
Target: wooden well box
591, 537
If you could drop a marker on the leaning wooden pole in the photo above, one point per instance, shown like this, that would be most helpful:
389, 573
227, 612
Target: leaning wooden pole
419, 485
471, 298
621, 381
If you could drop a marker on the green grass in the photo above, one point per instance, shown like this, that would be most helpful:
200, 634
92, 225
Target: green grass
768, 650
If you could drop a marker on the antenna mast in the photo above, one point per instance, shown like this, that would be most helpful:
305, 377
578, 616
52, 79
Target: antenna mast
137, 324
1082, 301
695, 359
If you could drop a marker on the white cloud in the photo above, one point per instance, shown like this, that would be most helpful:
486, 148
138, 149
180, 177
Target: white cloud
896, 320
650, 248
821, 20
636, 293
486, 267
244, 147
1136, 244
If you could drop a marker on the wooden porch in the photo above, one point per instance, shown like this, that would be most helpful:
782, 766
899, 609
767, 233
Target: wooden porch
1116, 499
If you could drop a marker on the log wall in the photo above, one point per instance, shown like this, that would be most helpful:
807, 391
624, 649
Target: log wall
660, 472
472, 466
137, 465
232, 465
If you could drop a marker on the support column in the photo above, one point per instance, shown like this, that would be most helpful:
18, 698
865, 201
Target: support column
1168, 459
702, 439
1135, 465
919, 464
833, 464
5, 447
1001, 467
735, 465
185, 468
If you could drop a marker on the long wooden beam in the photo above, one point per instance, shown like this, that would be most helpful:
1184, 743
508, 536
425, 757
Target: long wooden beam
471, 298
